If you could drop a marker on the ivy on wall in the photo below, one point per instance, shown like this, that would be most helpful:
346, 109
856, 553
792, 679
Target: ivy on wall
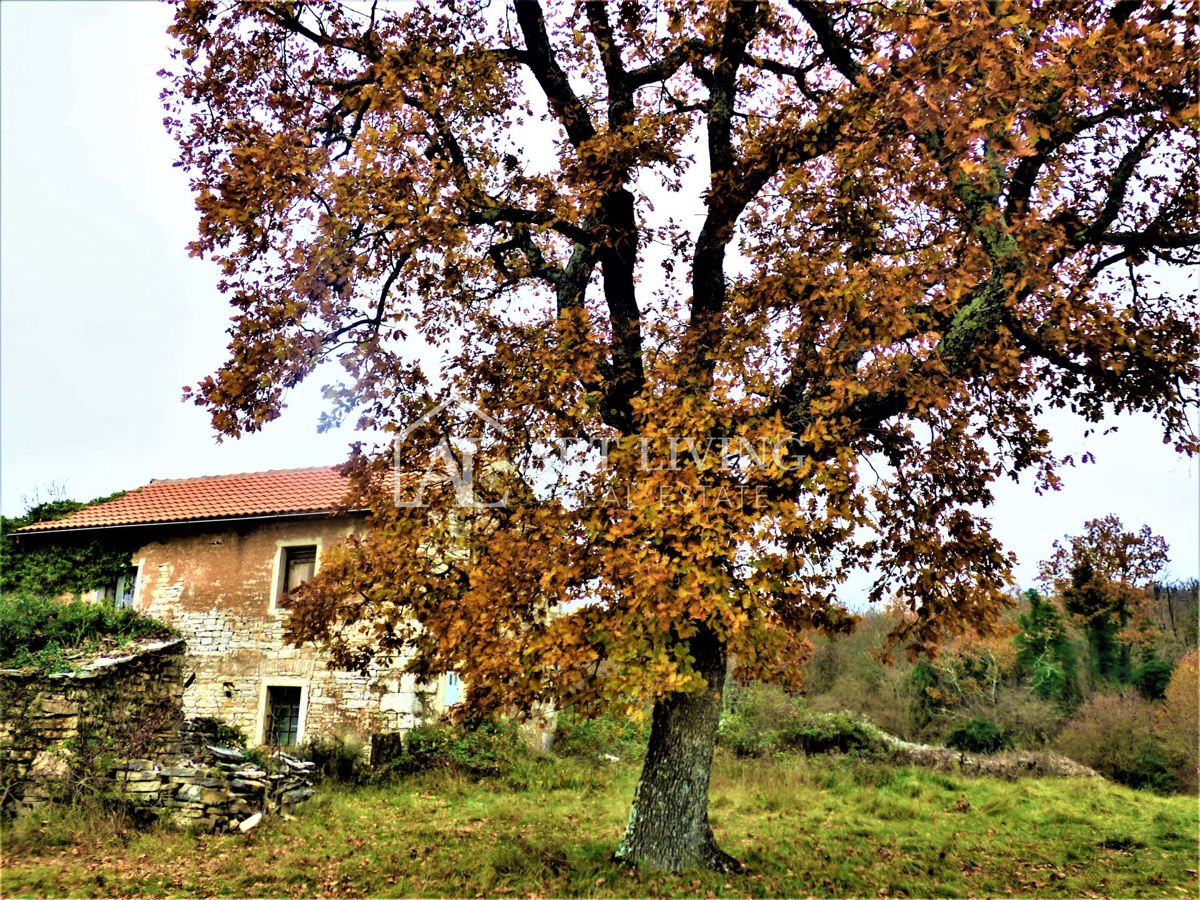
51, 565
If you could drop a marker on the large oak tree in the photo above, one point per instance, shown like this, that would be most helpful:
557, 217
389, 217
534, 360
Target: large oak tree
804, 274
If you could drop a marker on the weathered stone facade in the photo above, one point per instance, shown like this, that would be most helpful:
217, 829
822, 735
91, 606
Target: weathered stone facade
219, 587
114, 730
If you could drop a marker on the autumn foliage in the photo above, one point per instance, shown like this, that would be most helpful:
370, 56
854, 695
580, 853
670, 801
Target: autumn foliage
798, 278
1104, 578
1178, 723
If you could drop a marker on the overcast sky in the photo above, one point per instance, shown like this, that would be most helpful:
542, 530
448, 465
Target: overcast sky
105, 317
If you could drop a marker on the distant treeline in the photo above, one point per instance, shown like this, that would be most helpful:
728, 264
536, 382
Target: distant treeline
1079, 682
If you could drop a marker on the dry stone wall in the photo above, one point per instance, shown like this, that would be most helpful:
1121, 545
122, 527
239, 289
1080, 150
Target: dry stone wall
115, 730
219, 788
61, 733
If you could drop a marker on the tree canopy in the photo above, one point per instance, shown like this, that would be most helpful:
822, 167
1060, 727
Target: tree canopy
804, 275
1105, 578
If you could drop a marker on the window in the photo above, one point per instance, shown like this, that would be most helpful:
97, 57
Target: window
120, 590
452, 695
299, 564
283, 715
126, 582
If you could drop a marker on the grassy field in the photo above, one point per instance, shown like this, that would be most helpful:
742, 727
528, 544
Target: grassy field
821, 826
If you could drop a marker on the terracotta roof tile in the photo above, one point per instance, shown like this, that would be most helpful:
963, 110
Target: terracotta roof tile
279, 492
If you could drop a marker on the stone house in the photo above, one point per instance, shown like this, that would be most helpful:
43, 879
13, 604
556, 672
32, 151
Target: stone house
215, 559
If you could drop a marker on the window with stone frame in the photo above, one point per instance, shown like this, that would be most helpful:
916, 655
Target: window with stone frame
283, 715
298, 565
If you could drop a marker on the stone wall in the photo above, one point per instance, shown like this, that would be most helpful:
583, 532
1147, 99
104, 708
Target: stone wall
218, 588
218, 788
60, 734
115, 731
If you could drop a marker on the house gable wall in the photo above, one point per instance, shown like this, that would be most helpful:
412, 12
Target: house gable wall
217, 588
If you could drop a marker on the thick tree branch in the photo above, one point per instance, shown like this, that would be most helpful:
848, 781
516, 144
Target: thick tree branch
1122, 10
522, 242
1062, 131
620, 96
567, 108
708, 265
1118, 188
668, 65
1151, 239
835, 47
490, 215
615, 222
288, 16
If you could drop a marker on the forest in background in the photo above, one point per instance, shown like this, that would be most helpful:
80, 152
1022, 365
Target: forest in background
1102, 668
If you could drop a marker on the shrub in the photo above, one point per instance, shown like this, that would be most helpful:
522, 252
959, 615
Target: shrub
1177, 723
846, 673
1029, 722
763, 719
746, 737
754, 716
593, 738
480, 748
832, 733
40, 569
1045, 652
979, 735
882, 694
338, 759
1114, 734
35, 631
1152, 677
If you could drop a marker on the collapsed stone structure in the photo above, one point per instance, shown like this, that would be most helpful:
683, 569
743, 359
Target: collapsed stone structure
62, 733
215, 558
115, 729
216, 788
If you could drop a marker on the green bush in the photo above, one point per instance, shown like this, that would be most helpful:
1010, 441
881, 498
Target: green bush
336, 759
36, 631
745, 737
753, 718
979, 735
481, 748
1115, 735
845, 674
1152, 677
582, 738
763, 719
832, 733
1151, 769
1045, 652
39, 568
1029, 722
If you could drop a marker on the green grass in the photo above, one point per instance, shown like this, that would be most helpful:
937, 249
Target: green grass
826, 826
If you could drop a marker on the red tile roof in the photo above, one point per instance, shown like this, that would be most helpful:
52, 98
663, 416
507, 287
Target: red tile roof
280, 492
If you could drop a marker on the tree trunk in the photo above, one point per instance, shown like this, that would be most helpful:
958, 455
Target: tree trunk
668, 823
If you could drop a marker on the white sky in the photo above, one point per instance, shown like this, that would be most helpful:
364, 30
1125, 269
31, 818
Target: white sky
104, 316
